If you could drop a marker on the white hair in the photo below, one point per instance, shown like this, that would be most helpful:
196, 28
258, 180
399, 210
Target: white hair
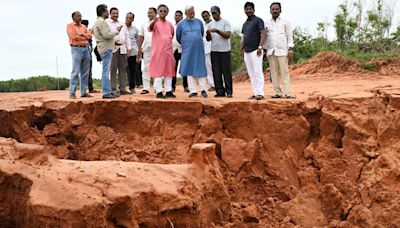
188, 7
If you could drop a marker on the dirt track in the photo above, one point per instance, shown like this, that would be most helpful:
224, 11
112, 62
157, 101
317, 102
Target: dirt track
331, 158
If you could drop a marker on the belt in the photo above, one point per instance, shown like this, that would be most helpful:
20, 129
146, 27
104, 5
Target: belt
81, 46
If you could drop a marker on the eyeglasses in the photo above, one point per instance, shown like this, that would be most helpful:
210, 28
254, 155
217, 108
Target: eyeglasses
162, 11
213, 12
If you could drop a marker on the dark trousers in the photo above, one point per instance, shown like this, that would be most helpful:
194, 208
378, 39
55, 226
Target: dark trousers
221, 66
90, 79
132, 71
138, 78
177, 57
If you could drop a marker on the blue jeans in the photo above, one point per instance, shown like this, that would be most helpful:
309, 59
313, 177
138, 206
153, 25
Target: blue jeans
105, 80
80, 65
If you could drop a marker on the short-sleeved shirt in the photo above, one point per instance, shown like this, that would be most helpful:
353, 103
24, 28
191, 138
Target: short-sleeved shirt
218, 43
251, 33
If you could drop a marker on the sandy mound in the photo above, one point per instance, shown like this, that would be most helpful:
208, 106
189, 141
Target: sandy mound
388, 66
328, 62
328, 65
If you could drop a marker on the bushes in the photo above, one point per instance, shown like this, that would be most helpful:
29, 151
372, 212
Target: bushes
38, 83
235, 51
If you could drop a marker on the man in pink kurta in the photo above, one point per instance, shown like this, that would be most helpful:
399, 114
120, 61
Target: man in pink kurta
162, 62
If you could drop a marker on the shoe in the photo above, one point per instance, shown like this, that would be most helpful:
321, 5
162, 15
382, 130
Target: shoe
219, 95
252, 97
115, 91
276, 96
229, 96
144, 91
173, 90
140, 86
186, 90
86, 95
115, 94
169, 94
160, 95
93, 91
125, 92
204, 94
109, 96
132, 91
193, 95
72, 97
259, 97
211, 88
290, 97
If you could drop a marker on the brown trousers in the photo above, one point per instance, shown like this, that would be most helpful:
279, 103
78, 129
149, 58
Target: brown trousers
119, 63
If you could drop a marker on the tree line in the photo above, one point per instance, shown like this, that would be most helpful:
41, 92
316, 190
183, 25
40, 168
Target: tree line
38, 83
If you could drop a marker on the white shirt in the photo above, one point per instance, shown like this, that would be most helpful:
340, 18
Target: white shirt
133, 36
175, 44
279, 37
122, 38
207, 44
146, 45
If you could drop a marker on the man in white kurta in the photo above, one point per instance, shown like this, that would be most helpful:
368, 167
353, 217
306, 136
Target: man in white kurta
207, 50
145, 37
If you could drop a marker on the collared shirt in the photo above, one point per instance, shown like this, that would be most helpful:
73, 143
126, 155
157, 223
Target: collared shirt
78, 34
133, 37
175, 44
122, 38
146, 45
103, 35
207, 44
251, 33
218, 43
279, 37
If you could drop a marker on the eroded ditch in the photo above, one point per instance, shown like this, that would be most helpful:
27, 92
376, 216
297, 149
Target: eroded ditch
332, 162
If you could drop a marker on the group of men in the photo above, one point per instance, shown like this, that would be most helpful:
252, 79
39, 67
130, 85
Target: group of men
203, 49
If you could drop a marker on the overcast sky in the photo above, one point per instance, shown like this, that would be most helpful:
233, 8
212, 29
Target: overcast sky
34, 32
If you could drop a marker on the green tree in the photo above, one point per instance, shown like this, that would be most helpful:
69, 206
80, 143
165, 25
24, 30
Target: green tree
235, 53
304, 45
345, 26
395, 36
322, 39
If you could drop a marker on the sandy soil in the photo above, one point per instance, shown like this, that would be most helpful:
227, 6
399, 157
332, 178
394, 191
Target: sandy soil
329, 158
